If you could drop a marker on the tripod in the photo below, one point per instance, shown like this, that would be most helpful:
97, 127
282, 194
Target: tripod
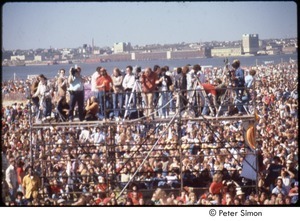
226, 100
136, 88
198, 87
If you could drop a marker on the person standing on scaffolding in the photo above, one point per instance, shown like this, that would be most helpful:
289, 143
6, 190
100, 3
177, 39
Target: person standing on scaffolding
163, 85
61, 85
181, 88
76, 91
139, 98
148, 80
117, 80
44, 93
194, 78
128, 84
103, 84
239, 84
35, 100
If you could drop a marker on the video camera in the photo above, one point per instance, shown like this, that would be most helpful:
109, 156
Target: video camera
73, 71
137, 72
228, 72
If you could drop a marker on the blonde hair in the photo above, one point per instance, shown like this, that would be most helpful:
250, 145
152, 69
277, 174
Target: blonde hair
217, 177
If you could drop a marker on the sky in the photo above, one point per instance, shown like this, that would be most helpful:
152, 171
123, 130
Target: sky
30, 25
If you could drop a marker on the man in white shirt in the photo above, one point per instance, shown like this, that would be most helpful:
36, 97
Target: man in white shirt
95, 75
128, 83
11, 179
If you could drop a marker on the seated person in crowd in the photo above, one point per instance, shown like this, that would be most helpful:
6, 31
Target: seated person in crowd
91, 109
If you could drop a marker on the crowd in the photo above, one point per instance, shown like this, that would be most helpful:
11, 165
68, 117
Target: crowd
93, 165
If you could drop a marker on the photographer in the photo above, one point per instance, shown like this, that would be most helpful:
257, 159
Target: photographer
239, 83
76, 90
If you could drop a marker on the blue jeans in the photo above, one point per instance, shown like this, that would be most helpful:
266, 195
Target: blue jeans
170, 96
163, 99
47, 107
100, 98
76, 97
117, 104
238, 103
12, 194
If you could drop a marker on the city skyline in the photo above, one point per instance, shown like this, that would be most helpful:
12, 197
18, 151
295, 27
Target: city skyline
69, 25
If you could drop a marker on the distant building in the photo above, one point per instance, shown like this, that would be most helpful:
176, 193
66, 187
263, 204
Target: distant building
17, 57
39, 58
250, 44
289, 50
186, 54
121, 47
226, 51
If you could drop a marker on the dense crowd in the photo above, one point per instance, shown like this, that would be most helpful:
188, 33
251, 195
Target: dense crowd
92, 165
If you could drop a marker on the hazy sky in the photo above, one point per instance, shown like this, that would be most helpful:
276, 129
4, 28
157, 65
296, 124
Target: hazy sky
59, 25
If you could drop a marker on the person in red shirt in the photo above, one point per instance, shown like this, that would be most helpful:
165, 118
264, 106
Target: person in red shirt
136, 196
209, 89
216, 187
20, 173
55, 188
103, 84
148, 80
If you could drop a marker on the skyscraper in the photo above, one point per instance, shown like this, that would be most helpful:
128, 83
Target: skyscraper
250, 43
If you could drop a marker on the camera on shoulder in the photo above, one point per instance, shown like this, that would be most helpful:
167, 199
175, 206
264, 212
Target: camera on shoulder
73, 71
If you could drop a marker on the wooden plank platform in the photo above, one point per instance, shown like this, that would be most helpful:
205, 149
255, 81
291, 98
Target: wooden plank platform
101, 123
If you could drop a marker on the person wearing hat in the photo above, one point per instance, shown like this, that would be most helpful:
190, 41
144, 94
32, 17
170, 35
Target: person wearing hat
239, 83
44, 92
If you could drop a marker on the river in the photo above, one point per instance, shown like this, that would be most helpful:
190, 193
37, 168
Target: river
50, 71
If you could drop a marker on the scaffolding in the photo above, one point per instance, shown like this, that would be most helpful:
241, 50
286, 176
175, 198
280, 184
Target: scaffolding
120, 167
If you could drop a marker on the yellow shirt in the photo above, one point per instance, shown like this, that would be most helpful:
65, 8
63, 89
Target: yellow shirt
30, 185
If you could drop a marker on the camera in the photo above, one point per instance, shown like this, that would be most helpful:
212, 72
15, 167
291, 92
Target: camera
138, 73
229, 74
73, 71
137, 76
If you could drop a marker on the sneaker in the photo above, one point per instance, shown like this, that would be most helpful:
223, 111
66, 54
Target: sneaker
44, 119
240, 114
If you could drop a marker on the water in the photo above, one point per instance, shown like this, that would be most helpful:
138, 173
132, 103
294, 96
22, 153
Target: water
87, 69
